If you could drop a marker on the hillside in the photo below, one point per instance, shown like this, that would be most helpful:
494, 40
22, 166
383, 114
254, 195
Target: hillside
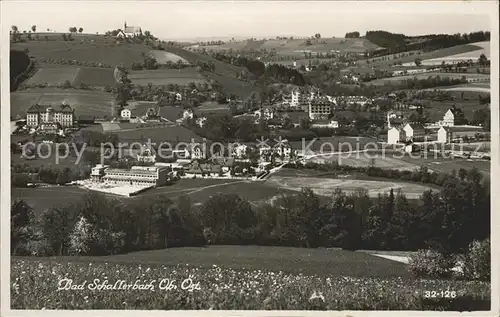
296, 47
89, 59
459, 52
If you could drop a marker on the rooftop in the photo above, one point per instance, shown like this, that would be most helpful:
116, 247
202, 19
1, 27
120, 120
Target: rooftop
36, 108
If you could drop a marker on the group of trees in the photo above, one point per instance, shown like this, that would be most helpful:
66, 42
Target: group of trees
352, 35
100, 226
74, 29
447, 220
259, 70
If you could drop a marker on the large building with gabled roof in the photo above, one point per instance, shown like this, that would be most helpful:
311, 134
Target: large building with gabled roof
38, 115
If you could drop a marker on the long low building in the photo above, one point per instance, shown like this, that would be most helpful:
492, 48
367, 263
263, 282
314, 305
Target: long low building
136, 176
456, 133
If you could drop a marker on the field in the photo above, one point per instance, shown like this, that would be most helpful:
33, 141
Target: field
103, 50
53, 76
365, 160
163, 76
326, 187
448, 165
163, 57
212, 107
97, 48
295, 47
468, 76
90, 103
57, 74
470, 51
473, 87
227, 277
473, 54
198, 190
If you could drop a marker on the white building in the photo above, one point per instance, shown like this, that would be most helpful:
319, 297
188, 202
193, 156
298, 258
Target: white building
448, 119
126, 114
129, 31
38, 115
319, 108
395, 135
239, 151
456, 133
201, 121
331, 124
188, 114
265, 113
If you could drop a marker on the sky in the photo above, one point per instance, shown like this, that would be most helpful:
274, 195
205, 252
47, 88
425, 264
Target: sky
190, 20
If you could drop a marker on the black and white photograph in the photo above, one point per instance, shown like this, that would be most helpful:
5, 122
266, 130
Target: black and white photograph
250, 156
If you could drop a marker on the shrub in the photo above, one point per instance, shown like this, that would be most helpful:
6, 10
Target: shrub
430, 263
477, 262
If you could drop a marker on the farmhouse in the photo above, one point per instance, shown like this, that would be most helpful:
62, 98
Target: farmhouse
45, 115
137, 175
414, 132
395, 135
457, 133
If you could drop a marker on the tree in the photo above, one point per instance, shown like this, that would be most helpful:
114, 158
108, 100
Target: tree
123, 88
482, 60
22, 218
418, 62
80, 30
57, 224
33, 28
317, 35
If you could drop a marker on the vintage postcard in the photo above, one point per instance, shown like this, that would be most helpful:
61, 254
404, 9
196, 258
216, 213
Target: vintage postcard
271, 158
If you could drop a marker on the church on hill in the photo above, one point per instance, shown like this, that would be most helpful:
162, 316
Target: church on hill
129, 31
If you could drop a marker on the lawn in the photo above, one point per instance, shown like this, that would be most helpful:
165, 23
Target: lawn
164, 76
90, 103
234, 277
